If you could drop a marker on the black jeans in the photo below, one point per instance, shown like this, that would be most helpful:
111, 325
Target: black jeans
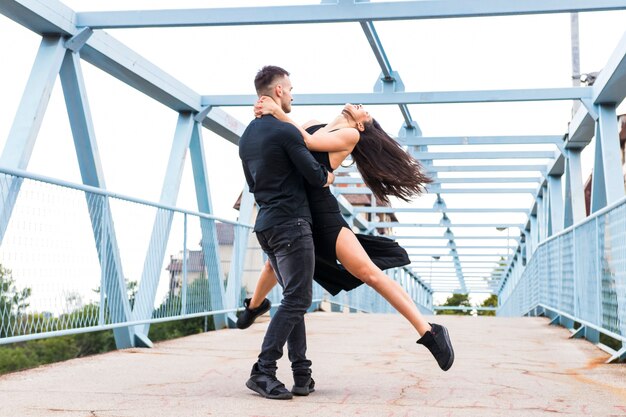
289, 247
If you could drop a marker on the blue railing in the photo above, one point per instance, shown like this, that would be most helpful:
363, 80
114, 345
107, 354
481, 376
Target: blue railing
76, 259
578, 278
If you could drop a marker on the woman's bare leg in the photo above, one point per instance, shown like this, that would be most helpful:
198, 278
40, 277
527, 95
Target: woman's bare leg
267, 281
354, 258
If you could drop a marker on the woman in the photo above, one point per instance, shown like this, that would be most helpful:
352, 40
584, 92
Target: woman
388, 171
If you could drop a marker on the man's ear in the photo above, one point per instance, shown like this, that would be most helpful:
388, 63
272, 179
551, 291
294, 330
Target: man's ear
278, 90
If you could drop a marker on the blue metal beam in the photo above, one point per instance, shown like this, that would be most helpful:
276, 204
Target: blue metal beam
541, 224
483, 140
580, 130
377, 48
610, 86
574, 201
487, 168
113, 284
457, 238
41, 16
463, 255
558, 166
425, 97
473, 276
27, 122
347, 210
144, 299
442, 190
389, 77
32, 107
477, 278
555, 189
438, 189
487, 180
419, 225
459, 246
428, 262
76, 42
106, 53
470, 168
469, 180
380, 209
485, 155
608, 180
79, 114
210, 246
163, 92
342, 11
240, 245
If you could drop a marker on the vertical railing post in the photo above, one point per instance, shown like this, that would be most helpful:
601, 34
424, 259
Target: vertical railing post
103, 263
591, 334
183, 297
574, 275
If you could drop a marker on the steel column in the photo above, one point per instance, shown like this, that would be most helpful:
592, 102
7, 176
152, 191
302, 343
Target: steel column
574, 207
30, 112
240, 246
144, 300
210, 246
556, 204
114, 284
608, 180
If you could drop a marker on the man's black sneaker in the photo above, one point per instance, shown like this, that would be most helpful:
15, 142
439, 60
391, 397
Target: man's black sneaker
248, 316
303, 384
438, 342
267, 385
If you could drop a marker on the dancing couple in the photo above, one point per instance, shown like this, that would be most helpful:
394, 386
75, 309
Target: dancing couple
299, 226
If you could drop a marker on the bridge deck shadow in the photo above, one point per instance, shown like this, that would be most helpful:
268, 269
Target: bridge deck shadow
364, 364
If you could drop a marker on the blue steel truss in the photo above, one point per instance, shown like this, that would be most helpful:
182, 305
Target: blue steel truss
555, 183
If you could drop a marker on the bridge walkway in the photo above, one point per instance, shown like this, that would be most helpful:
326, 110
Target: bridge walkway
364, 365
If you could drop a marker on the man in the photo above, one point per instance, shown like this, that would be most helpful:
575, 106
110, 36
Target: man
276, 163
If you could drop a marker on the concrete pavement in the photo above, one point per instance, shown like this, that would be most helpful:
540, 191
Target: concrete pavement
364, 365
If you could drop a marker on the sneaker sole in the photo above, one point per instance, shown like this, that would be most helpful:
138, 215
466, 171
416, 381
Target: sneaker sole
254, 387
301, 391
449, 345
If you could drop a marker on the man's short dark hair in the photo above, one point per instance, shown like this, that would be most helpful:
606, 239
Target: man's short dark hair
266, 77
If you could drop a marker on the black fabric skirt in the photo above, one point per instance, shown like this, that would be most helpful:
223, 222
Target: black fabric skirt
384, 252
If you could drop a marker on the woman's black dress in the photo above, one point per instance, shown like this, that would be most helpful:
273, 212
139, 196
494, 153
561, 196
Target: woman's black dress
327, 223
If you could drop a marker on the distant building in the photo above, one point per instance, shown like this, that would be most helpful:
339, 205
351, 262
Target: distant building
368, 200
255, 259
195, 259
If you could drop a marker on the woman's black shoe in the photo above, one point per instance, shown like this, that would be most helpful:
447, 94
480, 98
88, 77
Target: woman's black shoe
438, 342
248, 316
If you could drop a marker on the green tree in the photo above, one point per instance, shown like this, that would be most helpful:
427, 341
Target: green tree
131, 288
491, 301
13, 302
196, 302
33, 353
457, 300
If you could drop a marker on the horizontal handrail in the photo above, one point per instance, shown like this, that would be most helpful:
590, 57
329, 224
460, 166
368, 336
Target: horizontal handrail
106, 193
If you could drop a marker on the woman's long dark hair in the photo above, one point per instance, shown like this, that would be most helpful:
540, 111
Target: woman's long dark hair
387, 169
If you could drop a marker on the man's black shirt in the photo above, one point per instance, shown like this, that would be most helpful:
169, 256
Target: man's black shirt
276, 163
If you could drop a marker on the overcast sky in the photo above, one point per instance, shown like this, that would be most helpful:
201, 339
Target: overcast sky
134, 132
